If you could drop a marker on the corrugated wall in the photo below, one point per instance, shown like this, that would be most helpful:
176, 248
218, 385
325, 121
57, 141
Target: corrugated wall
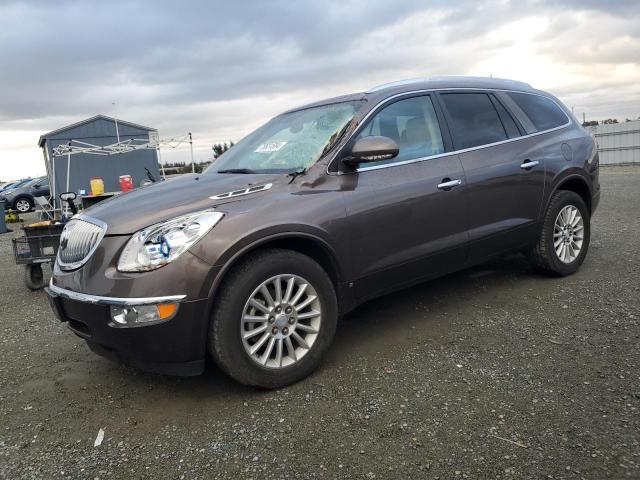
84, 166
618, 142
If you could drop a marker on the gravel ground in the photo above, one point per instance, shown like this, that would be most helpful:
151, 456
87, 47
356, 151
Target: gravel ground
494, 372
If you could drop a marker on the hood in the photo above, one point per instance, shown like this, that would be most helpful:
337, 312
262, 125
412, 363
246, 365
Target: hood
129, 212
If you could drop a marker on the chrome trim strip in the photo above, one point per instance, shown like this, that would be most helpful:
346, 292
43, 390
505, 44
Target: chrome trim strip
242, 191
99, 300
98, 223
445, 154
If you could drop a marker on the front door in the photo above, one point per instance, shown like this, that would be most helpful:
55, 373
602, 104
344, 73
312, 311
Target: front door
407, 215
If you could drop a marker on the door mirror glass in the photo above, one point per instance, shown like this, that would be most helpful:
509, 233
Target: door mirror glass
372, 149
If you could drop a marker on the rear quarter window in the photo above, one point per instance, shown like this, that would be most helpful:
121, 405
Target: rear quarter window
543, 112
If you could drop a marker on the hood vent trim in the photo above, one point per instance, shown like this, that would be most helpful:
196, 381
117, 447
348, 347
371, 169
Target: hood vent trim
241, 192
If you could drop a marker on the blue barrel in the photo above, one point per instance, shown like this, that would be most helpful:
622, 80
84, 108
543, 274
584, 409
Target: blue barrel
3, 226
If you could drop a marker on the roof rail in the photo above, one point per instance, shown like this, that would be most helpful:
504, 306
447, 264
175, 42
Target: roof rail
504, 82
480, 79
397, 83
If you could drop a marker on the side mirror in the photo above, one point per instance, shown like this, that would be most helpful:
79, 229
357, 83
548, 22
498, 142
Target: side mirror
372, 149
66, 196
69, 197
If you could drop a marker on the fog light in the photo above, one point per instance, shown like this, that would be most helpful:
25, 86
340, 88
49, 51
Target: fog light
130, 316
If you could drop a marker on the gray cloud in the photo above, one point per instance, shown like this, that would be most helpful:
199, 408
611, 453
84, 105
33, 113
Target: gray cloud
220, 68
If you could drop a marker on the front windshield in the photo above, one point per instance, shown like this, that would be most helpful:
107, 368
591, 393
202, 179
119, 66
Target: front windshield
290, 142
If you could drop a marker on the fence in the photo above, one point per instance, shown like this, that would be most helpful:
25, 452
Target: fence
618, 142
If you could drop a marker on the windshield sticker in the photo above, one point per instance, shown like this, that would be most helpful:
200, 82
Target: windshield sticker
270, 147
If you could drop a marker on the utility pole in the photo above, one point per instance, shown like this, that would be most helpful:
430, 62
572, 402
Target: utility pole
193, 163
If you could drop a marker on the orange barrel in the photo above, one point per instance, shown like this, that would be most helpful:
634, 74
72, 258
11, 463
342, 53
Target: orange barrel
126, 183
97, 186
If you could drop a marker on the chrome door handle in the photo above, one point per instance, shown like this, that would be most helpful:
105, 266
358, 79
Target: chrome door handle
529, 164
448, 184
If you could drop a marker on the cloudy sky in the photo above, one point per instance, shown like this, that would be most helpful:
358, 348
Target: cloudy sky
220, 69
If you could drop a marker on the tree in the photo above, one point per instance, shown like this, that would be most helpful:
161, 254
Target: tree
590, 123
220, 148
609, 121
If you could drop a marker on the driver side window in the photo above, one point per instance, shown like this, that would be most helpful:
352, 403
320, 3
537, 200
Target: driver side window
412, 124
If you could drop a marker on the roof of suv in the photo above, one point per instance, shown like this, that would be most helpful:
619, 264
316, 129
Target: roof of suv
402, 86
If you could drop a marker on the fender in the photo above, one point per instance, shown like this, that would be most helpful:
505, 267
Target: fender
262, 237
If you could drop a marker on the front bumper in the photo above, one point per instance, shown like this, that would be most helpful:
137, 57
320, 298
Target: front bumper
175, 347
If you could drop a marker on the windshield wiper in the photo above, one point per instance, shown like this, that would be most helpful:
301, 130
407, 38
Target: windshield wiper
296, 173
236, 170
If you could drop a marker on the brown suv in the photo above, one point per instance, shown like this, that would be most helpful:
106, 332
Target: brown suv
322, 208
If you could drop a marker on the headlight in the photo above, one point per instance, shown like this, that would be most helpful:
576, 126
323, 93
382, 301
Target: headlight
162, 243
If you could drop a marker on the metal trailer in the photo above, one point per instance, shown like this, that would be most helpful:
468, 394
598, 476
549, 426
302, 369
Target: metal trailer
618, 143
38, 245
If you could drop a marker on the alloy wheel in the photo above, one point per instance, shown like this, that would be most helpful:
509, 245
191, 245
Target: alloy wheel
23, 205
568, 234
281, 321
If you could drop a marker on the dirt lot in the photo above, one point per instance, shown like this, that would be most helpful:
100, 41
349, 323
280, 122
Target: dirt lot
494, 372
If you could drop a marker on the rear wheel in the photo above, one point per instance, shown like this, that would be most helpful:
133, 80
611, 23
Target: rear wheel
274, 319
565, 235
23, 205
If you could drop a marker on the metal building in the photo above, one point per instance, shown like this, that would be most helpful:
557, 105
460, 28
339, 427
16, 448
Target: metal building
99, 130
618, 142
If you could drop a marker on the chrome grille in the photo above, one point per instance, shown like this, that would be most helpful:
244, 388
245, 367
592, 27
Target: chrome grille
78, 241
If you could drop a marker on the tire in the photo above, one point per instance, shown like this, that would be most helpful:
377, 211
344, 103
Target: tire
23, 205
33, 276
226, 331
544, 255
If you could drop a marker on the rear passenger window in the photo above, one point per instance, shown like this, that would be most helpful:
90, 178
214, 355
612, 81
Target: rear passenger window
474, 120
412, 124
542, 111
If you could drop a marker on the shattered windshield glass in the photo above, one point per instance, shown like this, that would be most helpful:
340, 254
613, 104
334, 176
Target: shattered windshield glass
289, 142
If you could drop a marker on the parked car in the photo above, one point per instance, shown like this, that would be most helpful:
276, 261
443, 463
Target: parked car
15, 184
21, 198
321, 209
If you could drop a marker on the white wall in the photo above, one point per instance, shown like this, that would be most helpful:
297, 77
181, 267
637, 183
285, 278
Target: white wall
618, 142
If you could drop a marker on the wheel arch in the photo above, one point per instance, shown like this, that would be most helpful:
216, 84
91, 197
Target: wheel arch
23, 197
574, 182
308, 244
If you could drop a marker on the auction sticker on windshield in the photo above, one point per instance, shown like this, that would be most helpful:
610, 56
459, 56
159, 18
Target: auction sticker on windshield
270, 147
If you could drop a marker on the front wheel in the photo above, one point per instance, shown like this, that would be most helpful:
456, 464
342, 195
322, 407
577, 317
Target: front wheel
566, 231
274, 319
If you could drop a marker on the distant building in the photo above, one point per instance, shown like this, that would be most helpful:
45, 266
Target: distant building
99, 130
618, 142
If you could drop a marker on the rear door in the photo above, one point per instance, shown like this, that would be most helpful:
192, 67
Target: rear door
404, 224
504, 173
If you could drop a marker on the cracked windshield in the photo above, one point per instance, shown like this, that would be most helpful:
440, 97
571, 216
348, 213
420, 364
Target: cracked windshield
290, 142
